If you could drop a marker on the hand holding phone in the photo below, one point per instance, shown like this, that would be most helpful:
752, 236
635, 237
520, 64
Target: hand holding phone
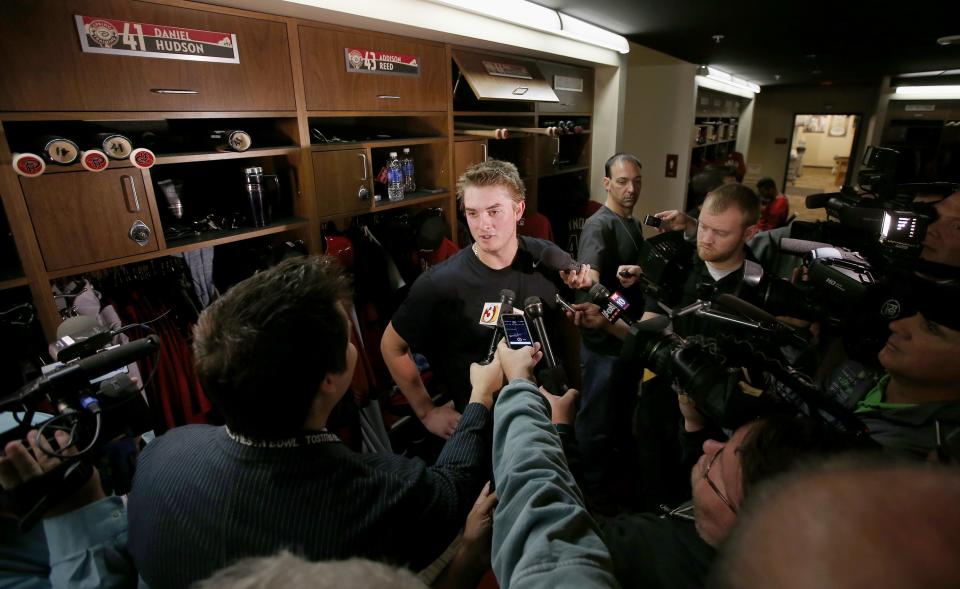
564, 304
652, 221
516, 331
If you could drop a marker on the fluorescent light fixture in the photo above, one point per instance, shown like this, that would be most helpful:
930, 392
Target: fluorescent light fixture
723, 82
928, 92
540, 18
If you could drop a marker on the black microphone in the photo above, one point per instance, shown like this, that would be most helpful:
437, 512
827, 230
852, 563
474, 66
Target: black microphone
553, 377
533, 307
800, 246
78, 373
507, 297
818, 201
557, 259
611, 306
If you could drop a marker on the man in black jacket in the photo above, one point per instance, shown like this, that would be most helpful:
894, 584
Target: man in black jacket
274, 355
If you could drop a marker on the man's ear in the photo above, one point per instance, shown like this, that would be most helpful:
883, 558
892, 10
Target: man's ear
750, 232
520, 208
606, 183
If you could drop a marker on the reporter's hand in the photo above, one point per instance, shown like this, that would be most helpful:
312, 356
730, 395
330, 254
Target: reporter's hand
486, 381
674, 221
478, 531
563, 409
577, 279
693, 420
588, 315
18, 465
628, 281
518, 363
442, 421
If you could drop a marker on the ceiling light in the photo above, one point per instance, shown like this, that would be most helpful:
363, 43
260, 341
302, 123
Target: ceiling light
720, 80
540, 18
928, 92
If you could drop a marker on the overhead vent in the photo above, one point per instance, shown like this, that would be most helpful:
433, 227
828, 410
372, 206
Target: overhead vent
496, 77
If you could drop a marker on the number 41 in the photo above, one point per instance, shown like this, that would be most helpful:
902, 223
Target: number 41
130, 40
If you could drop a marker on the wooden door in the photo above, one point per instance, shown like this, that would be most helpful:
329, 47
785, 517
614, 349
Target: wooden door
45, 68
465, 154
340, 178
330, 86
573, 85
83, 217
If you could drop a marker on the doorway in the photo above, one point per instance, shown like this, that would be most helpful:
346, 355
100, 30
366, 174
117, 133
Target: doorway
821, 148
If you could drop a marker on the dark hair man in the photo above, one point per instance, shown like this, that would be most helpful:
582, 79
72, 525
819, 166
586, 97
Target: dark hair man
451, 309
775, 207
610, 238
274, 355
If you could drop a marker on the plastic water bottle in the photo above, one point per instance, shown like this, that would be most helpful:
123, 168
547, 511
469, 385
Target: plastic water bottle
409, 184
394, 178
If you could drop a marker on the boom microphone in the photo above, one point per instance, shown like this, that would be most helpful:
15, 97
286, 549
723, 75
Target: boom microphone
557, 259
507, 297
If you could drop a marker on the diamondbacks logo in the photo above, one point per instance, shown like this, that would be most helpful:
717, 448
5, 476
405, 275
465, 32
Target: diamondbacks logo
890, 309
355, 58
103, 33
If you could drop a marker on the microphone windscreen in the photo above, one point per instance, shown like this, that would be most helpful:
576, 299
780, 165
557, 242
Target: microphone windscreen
557, 259
745, 309
818, 201
76, 325
800, 246
654, 324
598, 291
533, 307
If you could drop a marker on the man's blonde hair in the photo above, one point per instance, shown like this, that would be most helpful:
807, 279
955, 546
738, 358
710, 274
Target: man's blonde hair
492, 173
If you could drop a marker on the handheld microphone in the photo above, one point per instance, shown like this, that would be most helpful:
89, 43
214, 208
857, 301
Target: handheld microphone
611, 306
507, 297
557, 259
78, 373
553, 377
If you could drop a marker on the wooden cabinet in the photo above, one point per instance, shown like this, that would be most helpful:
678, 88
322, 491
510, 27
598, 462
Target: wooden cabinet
466, 153
46, 70
343, 182
81, 217
330, 85
573, 86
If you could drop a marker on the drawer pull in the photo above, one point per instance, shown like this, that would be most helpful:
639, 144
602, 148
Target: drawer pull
387, 97
172, 91
133, 192
363, 162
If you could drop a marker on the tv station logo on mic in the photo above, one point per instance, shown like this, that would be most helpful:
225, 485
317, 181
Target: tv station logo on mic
490, 314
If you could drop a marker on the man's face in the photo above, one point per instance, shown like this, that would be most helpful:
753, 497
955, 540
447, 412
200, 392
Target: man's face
492, 216
714, 518
923, 351
720, 236
942, 243
766, 193
623, 185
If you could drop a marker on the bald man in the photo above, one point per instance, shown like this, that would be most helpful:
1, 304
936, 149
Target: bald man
849, 526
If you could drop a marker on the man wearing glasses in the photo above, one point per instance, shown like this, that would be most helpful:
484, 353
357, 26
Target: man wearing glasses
677, 549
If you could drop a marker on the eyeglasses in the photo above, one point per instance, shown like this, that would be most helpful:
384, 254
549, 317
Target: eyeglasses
706, 475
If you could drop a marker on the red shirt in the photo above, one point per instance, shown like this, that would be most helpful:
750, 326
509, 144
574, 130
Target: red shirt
774, 214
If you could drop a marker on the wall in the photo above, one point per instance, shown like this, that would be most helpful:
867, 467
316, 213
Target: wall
610, 91
774, 111
822, 147
657, 119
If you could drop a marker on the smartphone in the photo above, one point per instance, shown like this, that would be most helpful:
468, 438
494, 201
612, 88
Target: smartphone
516, 331
564, 304
652, 221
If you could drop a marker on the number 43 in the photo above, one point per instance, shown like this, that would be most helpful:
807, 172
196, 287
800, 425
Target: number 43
130, 40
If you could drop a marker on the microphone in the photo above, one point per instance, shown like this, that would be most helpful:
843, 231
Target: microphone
507, 297
553, 377
800, 246
78, 373
533, 307
611, 306
557, 259
818, 201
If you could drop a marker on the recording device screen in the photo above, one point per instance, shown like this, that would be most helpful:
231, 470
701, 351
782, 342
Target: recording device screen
902, 229
516, 331
652, 221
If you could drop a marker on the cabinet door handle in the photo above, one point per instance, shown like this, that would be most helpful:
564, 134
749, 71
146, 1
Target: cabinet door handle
363, 162
173, 91
133, 192
485, 156
388, 97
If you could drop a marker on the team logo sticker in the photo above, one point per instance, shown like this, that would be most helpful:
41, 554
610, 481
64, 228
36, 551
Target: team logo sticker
490, 314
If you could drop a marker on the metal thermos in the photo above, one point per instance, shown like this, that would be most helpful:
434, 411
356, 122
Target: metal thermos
261, 189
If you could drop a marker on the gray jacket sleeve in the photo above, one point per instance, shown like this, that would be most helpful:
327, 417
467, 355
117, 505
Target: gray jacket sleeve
542, 535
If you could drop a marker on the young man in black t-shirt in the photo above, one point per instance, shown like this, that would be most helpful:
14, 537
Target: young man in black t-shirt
448, 315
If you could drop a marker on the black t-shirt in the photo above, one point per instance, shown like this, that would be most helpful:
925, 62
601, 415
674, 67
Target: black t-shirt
607, 242
441, 316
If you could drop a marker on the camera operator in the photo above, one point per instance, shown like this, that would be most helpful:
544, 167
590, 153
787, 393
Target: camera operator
443, 315
274, 356
82, 542
942, 242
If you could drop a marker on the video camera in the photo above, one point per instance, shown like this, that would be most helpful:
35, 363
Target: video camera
90, 409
